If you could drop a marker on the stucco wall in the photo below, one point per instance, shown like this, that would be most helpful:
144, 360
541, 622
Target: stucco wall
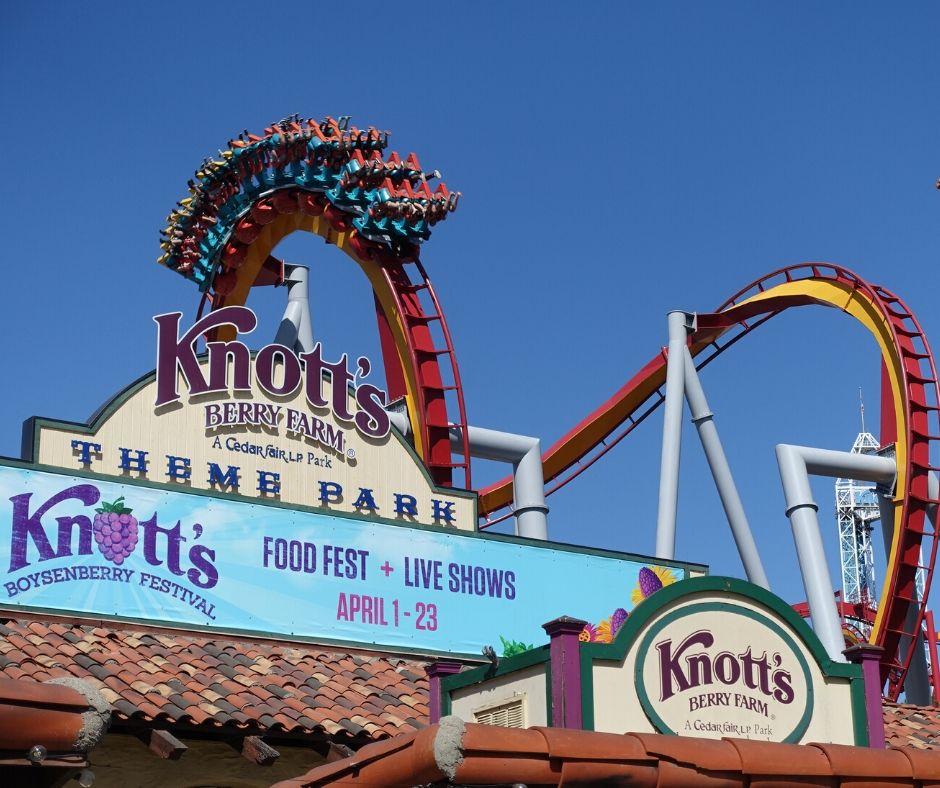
528, 684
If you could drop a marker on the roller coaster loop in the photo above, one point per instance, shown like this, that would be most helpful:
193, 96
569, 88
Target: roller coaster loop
913, 407
329, 179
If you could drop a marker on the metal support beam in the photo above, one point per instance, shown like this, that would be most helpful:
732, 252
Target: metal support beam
679, 325
296, 329
704, 421
796, 464
525, 454
528, 481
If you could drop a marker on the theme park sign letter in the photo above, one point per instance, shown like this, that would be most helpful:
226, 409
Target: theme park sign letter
177, 354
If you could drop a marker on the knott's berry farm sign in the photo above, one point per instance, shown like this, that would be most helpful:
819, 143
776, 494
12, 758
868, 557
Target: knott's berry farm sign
294, 429
716, 657
709, 657
715, 667
231, 368
267, 493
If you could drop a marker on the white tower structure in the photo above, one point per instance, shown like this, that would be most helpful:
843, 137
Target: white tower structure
856, 511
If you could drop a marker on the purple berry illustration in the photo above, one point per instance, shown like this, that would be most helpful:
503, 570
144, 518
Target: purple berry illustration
115, 530
617, 620
649, 581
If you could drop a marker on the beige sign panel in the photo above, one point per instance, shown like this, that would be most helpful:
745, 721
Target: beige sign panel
719, 669
713, 665
255, 444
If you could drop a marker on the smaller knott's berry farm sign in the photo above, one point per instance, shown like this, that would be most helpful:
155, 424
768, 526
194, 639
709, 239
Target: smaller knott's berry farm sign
267, 492
714, 667
716, 657
707, 657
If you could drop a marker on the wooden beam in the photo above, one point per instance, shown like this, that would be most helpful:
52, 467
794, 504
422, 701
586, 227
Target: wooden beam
257, 751
163, 744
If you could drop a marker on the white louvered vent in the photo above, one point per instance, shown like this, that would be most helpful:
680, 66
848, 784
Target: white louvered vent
505, 715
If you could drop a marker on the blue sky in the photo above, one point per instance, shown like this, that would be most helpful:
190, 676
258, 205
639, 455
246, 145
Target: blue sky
616, 162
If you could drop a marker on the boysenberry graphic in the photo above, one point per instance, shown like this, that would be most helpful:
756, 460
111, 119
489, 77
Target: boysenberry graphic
649, 582
115, 531
617, 620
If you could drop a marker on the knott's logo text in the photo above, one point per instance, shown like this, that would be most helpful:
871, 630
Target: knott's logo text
276, 368
689, 666
716, 669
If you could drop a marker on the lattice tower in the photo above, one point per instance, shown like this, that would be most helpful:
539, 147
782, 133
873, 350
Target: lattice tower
856, 512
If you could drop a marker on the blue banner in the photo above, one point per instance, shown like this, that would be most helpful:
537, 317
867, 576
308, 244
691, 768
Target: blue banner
86, 545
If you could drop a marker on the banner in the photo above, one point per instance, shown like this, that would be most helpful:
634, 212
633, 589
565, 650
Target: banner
86, 545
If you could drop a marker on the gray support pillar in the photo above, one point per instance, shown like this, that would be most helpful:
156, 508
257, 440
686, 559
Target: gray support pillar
528, 481
704, 421
796, 463
672, 436
529, 495
525, 454
296, 329
801, 510
287, 331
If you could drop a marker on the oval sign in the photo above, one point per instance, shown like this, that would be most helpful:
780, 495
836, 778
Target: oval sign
716, 669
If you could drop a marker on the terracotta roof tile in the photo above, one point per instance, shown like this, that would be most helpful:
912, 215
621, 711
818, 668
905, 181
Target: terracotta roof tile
124, 708
211, 681
477, 754
907, 725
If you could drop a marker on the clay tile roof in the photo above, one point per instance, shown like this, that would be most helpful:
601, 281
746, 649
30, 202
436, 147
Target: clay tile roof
214, 681
907, 725
67, 718
466, 754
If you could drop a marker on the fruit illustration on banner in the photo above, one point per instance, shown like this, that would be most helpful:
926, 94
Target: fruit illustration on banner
115, 531
618, 619
649, 581
606, 630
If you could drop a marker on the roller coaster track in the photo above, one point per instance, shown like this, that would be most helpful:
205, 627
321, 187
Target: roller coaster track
914, 392
328, 179
331, 180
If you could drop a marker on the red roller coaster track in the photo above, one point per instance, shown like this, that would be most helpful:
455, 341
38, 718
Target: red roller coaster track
412, 365
917, 426
324, 178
